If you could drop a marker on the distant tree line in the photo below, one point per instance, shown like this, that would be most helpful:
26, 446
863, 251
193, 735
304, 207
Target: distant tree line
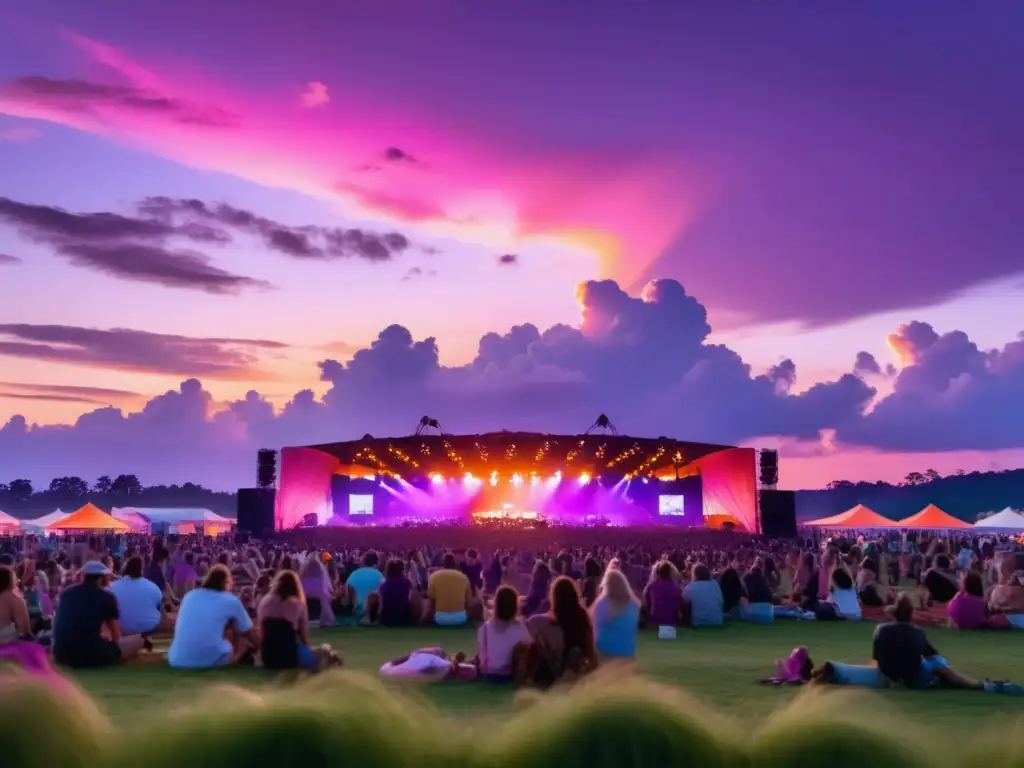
966, 495
21, 499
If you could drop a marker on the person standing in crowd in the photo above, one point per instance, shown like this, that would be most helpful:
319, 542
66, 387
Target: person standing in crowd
87, 630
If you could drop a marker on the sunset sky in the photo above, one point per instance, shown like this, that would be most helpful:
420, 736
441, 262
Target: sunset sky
228, 225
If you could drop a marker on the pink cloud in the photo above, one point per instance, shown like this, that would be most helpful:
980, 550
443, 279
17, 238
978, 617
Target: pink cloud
464, 185
315, 95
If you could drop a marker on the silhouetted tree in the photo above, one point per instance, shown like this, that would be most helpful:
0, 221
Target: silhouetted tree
127, 485
69, 487
20, 489
836, 485
931, 475
103, 484
914, 478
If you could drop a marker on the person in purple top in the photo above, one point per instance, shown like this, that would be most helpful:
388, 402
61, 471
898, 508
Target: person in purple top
397, 596
663, 598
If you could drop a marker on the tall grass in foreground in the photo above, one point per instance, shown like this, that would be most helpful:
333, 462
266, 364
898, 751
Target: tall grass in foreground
342, 719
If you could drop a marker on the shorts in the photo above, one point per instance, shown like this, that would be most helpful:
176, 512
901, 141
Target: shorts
450, 618
1016, 620
758, 613
104, 654
869, 676
307, 659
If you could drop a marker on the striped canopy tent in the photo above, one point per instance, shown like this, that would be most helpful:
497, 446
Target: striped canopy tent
931, 518
857, 517
89, 518
9, 524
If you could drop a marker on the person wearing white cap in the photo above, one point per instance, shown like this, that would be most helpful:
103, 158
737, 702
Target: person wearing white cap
87, 628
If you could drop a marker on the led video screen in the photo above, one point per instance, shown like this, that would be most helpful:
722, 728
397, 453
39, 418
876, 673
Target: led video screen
360, 504
670, 504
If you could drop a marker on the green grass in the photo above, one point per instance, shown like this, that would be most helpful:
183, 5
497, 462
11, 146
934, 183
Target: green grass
718, 667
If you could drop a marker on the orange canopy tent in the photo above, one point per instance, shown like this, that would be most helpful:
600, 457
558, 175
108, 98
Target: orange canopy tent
89, 518
719, 522
933, 519
858, 517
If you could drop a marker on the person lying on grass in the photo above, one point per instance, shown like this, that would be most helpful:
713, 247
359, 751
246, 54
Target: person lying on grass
904, 657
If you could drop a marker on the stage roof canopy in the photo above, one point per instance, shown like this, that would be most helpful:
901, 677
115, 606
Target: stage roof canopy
451, 455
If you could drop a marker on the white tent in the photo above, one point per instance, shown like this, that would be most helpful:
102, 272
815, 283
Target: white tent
9, 523
1006, 521
179, 520
42, 523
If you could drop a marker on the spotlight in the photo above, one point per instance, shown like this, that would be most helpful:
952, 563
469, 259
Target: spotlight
436, 478
517, 479
534, 479
584, 478
494, 478
468, 479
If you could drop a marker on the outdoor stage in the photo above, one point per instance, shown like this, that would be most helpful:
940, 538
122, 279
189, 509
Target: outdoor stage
589, 479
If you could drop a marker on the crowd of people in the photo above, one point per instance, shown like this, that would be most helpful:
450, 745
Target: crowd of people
547, 603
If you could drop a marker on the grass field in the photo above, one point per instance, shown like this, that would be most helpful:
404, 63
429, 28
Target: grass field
718, 667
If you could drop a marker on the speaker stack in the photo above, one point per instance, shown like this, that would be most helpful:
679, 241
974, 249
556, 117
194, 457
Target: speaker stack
256, 505
769, 469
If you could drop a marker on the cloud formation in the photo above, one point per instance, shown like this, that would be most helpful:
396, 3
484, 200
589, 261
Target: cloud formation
315, 95
138, 247
77, 98
8, 260
134, 350
508, 260
63, 393
645, 361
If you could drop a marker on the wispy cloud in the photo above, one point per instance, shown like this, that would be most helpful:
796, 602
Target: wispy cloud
128, 349
20, 134
71, 394
315, 95
7, 259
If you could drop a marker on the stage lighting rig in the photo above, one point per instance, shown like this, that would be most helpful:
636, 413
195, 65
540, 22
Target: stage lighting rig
602, 422
427, 423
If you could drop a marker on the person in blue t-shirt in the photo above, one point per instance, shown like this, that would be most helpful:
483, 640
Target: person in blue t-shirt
616, 617
213, 628
702, 599
365, 580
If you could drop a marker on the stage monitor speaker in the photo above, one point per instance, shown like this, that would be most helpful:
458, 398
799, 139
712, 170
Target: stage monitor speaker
256, 511
778, 514
769, 466
266, 468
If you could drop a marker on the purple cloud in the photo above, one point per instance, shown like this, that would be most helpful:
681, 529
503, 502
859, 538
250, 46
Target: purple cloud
866, 364
305, 242
645, 361
7, 259
508, 260
83, 97
127, 349
69, 394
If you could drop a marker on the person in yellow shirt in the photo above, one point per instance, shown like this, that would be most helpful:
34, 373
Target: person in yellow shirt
449, 595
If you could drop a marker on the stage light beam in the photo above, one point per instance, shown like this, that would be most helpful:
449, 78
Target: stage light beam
584, 478
437, 478
517, 479
494, 478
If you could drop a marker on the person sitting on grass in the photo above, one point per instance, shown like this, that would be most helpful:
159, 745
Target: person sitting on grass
365, 580
1006, 601
319, 592
842, 600
967, 610
14, 619
940, 580
563, 638
756, 604
904, 657
616, 617
702, 600
448, 595
400, 603
213, 628
140, 601
663, 597
498, 637
87, 630
284, 628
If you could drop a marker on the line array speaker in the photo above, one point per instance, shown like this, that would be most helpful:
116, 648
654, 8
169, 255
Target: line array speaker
778, 514
256, 511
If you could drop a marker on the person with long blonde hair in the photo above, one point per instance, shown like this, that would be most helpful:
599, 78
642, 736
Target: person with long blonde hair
616, 617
